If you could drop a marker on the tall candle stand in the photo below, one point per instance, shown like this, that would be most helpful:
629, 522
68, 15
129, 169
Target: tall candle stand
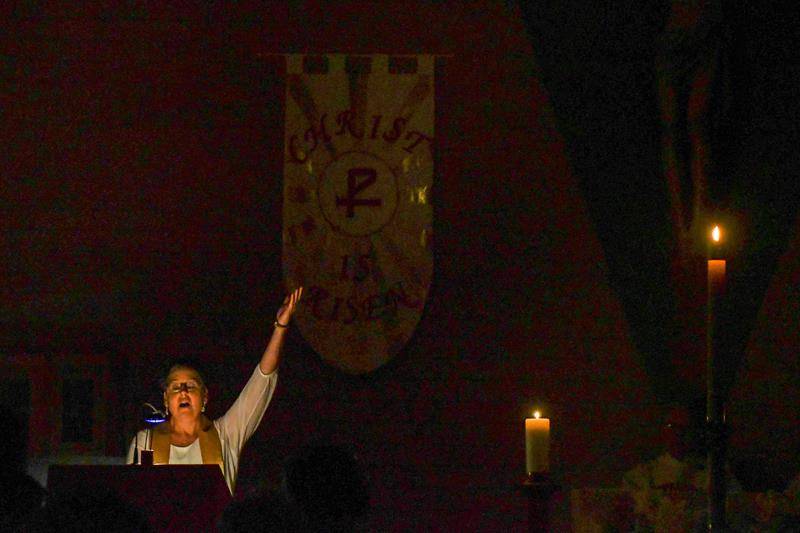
716, 428
539, 489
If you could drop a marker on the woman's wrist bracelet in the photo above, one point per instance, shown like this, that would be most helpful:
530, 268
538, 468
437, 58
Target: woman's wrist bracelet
279, 325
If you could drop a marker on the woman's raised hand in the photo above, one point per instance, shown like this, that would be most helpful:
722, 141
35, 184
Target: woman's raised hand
288, 308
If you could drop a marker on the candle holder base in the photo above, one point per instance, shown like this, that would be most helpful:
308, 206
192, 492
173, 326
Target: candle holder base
539, 489
717, 433
147, 458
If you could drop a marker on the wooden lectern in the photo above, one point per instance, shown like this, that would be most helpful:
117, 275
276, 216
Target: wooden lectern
171, 497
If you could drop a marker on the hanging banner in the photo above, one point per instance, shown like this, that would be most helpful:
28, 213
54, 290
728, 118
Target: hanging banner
357, 214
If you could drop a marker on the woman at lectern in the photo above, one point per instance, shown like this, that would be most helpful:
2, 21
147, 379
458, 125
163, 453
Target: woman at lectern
188, 436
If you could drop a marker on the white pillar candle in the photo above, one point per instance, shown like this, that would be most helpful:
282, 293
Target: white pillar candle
537, 444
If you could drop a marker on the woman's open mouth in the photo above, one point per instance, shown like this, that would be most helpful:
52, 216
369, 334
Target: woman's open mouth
184, 404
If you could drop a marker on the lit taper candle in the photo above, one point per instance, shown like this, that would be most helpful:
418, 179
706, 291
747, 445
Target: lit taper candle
716, 288
537, 444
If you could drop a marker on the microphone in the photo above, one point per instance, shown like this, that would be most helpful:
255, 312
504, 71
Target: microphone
152, 417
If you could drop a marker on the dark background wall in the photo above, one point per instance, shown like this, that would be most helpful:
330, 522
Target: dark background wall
142, 220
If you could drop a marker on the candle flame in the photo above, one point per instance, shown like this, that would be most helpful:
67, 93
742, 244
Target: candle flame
715, 234
536, 414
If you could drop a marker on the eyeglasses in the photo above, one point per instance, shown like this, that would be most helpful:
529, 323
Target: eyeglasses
176, 387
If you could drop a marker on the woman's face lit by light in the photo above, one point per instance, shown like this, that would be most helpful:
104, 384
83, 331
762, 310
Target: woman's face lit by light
185, 395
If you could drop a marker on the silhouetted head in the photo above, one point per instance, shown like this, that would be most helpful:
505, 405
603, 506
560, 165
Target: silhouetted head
327, 486
266, 513
21, 499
